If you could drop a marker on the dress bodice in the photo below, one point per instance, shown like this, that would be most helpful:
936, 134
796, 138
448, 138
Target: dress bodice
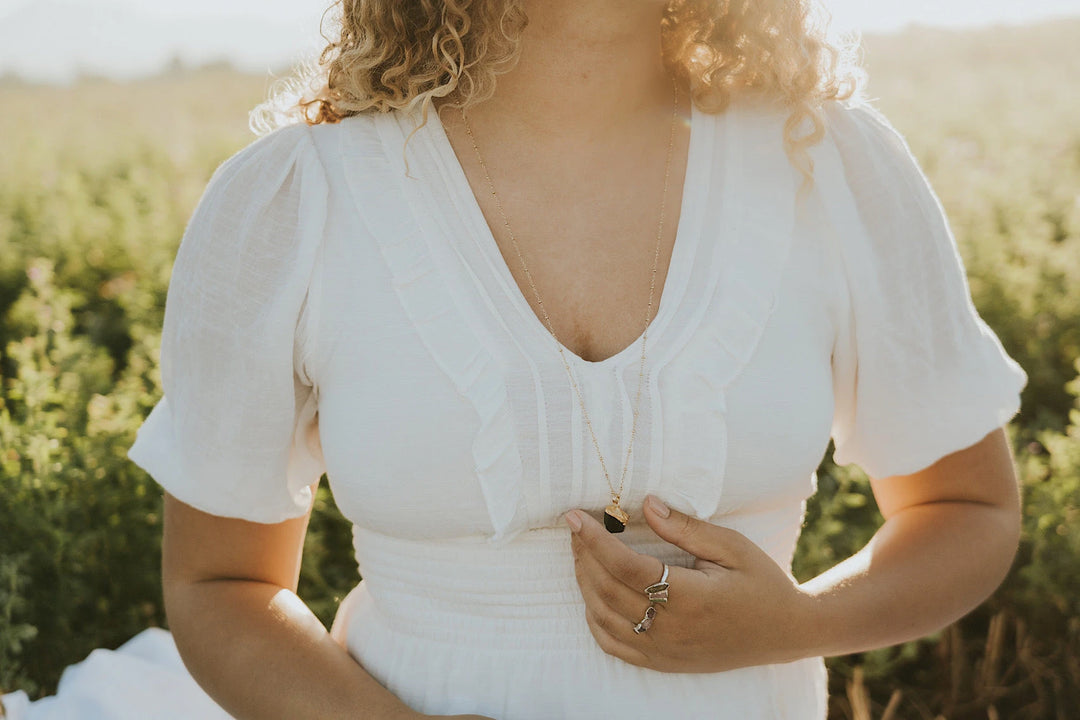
335, 309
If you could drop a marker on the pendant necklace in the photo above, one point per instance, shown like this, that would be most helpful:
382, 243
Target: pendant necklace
615, 517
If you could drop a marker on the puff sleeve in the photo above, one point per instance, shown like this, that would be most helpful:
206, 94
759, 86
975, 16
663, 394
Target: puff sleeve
235, 432
917, 373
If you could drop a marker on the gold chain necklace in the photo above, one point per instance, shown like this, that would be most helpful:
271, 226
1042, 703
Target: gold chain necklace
615, 518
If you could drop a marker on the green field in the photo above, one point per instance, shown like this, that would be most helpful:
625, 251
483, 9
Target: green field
97, 181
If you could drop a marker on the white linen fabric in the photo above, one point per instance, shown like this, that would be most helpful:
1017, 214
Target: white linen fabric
330, 312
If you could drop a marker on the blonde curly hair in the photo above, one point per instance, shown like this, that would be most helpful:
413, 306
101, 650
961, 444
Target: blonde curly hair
394, 54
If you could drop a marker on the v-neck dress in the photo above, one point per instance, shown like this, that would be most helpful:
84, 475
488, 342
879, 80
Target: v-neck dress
332, 310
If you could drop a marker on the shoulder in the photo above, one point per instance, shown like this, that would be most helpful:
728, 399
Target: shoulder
852, 131
853, 110
846, 121
863, 156
892, 229
266, 203
277, 171
756, 113
281, 147
868, 143
296, 156
334, 151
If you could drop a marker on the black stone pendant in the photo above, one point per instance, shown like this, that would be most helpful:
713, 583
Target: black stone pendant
615, 519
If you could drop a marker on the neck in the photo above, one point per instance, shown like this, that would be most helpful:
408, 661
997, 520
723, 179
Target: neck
585, 67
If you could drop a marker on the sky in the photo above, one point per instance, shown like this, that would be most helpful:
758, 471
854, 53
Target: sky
51, 39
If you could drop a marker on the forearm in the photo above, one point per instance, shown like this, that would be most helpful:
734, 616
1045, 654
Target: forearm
261, 653
926, 567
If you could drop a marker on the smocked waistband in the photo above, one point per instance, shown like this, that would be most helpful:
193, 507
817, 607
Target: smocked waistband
523, 594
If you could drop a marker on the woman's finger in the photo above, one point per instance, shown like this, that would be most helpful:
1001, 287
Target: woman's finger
624, 564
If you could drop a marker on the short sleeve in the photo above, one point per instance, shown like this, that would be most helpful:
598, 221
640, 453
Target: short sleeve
235, 432
917, 372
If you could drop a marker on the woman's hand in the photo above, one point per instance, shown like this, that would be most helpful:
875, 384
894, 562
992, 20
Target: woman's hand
735, 607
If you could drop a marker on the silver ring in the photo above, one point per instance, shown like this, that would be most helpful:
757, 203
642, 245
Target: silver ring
658, 592
646, 622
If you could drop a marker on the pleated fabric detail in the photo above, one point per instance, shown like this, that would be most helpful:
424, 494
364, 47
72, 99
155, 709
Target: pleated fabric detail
444, 329
754, 231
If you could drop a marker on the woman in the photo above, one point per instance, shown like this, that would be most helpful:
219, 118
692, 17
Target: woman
569, 353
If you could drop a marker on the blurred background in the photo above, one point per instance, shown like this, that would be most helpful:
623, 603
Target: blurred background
57, 40
113, 115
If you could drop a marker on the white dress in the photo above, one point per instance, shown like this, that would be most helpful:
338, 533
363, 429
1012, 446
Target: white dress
326, 313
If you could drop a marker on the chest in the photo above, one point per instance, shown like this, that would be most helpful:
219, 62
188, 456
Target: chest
586, 234
446, 410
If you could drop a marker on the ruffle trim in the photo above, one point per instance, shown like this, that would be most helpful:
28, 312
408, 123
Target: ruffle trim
755, 232
377, 181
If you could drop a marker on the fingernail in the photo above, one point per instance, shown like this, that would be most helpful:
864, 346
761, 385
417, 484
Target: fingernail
658, 506
573, 520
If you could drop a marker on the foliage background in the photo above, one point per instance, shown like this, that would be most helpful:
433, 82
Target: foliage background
97, 181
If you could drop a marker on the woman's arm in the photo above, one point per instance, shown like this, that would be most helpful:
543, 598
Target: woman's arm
245, 636
950, 535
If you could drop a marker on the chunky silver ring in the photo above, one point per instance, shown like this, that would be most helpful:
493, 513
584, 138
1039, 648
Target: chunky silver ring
658, 592
646, 622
